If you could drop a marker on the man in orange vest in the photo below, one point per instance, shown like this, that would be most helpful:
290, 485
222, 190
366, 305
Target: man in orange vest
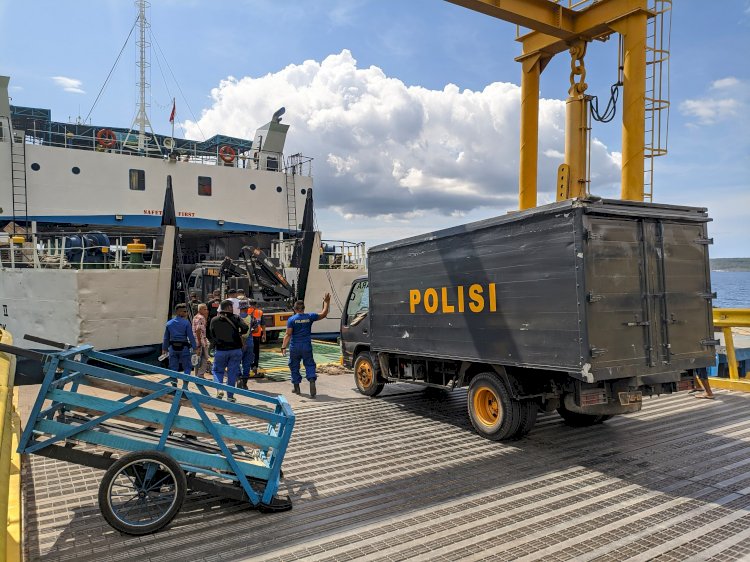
253, 317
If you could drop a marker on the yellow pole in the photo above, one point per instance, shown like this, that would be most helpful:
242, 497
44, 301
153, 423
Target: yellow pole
576, 140
633, 30
527, 174
731, 355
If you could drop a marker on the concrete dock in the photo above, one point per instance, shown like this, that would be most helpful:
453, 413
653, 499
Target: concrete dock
403, 477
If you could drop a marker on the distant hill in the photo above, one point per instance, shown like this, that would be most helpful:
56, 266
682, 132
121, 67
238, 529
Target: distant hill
730, 264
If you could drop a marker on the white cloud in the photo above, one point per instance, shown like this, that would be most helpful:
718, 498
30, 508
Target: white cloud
72, 85
387, 150
728, 96
710, 110
724, 83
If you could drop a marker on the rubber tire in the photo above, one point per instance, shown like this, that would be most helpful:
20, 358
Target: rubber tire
111, 473
376, 387
506, 425
529, 411
574, 419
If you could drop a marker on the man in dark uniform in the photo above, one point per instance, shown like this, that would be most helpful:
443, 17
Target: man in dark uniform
226, 331
179, 340
298, 339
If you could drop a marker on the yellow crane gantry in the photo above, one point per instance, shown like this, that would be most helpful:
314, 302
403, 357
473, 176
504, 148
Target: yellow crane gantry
557, 28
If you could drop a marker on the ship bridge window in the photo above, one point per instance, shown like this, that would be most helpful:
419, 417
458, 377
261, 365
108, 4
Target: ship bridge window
278, 189
35, 166
76, 170
204, 186
137, 180
252, 187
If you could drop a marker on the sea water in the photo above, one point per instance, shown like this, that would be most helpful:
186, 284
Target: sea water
732, 289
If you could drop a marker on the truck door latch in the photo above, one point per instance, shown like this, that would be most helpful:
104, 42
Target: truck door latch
591, 297
708, 296
597, 351
710, 343
705, 241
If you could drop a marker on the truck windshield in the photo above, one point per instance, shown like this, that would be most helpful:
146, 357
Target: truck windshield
359, 302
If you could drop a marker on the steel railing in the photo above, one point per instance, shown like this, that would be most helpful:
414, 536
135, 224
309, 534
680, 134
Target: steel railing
725, 319
10, 460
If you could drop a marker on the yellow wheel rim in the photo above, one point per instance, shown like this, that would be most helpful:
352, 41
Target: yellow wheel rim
364, 374
486, 406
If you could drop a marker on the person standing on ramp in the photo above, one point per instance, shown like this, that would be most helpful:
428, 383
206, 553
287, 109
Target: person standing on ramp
298, 339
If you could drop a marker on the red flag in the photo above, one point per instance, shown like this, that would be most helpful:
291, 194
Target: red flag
171, 115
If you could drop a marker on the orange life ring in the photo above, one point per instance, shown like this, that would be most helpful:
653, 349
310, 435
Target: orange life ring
227, 154
106, 138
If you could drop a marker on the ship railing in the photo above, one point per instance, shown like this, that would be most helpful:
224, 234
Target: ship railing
71, 250
340, 254
183, 151
333, 254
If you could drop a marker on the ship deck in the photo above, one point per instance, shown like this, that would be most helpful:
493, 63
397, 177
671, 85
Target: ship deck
403, 477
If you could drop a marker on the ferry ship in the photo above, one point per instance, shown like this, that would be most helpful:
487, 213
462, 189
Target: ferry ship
84, 257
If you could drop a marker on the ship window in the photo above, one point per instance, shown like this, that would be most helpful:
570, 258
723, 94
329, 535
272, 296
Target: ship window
204, 185
252, 186
278, 189
303, 191
137, 180
76, 170
35, 166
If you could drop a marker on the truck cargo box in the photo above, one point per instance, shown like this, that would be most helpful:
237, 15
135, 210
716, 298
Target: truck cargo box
600, 289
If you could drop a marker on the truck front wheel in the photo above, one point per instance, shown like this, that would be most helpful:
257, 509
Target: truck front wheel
493, 412
367, 375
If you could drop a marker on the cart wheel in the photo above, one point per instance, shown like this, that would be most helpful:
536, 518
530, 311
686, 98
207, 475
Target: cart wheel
367, 375
142, 492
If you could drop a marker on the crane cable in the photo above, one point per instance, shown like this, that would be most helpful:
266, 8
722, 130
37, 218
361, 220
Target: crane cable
611, 110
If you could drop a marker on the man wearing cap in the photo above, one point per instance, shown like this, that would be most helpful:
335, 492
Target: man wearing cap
232, 297
178, 340
226, 331
298, 339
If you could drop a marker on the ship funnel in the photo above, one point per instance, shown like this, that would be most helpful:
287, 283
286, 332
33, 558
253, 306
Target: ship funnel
268, 144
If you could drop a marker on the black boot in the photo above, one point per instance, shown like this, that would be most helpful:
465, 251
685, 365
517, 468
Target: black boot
313, 390
242, 383
296, 389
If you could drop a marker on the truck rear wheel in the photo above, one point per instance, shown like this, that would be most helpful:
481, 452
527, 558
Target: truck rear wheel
493, 412
367, 375
529, 410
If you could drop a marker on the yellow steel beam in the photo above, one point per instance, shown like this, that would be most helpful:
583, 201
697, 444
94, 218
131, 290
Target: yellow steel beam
10, 545
541, 15
529, 150
590, 23
731, 317
740, 385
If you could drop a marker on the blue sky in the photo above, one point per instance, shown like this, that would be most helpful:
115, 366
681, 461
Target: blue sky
410, 108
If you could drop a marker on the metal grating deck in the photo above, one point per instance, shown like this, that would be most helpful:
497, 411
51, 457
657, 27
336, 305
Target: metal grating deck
403, 477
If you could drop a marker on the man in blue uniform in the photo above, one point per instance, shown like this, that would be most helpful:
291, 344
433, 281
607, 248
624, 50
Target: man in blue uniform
298, 339
179, 340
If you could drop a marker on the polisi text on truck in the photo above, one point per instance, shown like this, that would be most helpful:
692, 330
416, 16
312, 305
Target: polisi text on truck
448, 300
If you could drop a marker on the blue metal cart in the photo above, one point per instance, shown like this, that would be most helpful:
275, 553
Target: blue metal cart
155, 437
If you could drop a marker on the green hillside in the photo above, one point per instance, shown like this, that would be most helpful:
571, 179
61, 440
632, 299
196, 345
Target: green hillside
730, 264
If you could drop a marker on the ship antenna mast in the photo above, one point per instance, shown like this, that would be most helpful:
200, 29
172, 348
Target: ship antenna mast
141, 121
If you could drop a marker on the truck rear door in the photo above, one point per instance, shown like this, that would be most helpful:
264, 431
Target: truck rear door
647, 287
